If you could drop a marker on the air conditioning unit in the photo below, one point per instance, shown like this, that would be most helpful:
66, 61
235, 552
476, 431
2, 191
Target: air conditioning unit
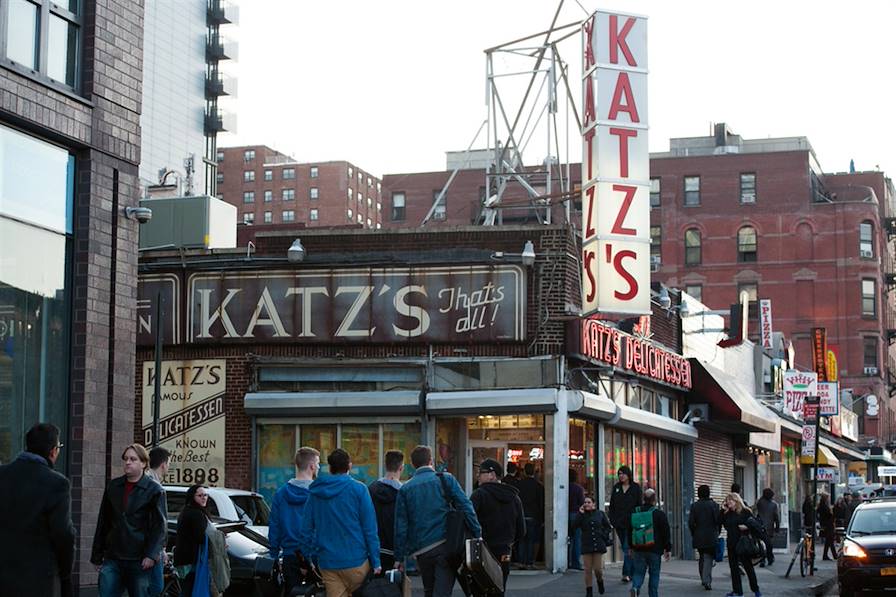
697, 413
655, 262
866, 254
870, 370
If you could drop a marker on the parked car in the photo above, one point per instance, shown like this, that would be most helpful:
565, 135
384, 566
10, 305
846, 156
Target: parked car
868, 559
228, 504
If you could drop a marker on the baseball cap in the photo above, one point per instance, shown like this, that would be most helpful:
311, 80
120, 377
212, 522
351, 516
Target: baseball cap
491, 466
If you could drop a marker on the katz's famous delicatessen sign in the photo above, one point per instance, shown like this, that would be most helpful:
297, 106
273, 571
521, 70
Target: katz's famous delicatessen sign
191, 418
595, 341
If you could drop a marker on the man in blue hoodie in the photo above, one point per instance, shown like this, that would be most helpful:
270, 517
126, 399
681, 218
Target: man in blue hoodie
420, 514
339, 528
285, 522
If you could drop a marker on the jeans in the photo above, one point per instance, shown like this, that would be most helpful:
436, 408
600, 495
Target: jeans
118, 575
527, 547
734, 562
438, 570
769, 552
157, 578
707, 559
574, 553
623, 545
644, 562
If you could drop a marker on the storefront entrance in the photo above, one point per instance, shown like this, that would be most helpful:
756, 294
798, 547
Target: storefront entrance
519, 454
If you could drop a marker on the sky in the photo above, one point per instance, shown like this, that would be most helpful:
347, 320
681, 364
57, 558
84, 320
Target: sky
390, 85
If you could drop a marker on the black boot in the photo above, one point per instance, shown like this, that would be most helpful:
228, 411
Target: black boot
600, 585
589, 592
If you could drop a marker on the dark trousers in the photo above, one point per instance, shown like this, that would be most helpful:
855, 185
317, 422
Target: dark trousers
707, 559
186, 585
733, 563
769, 552
828, 533
438, 570
292, 575
529, 544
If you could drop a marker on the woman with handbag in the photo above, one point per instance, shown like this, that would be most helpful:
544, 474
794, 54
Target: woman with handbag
200, 556
596, 536
743, 545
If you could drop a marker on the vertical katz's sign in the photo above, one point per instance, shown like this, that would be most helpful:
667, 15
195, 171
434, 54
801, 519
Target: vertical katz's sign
765, 322
820, 353
191, 418
615, 166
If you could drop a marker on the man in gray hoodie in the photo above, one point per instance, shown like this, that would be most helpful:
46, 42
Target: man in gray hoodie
286, 517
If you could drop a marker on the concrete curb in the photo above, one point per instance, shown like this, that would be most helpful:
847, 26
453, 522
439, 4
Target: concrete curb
819, 588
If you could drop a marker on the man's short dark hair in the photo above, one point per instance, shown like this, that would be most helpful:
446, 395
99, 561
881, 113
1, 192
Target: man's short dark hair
421, 456
511, 468
158, 456
529, 469
305, 456
703, 492
573, 475
339, 461
394, 461
735, 488
41, 439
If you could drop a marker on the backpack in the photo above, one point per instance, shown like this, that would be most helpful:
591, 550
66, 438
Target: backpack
642, 528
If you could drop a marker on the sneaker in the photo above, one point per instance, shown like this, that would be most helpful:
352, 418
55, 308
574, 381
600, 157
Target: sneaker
633, 593
757, 594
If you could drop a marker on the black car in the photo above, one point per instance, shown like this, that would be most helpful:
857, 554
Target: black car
248, 553
868, 559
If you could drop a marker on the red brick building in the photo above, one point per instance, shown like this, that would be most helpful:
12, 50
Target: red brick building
269, 187
760, 216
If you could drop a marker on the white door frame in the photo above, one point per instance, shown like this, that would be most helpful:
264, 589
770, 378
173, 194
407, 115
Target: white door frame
481, 443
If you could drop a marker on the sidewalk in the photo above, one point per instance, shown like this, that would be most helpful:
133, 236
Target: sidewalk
679, 577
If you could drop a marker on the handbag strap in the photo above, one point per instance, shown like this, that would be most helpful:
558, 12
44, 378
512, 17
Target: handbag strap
445, 493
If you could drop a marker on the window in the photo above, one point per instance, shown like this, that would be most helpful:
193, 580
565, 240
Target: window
289, 173
866, 240
746, 244
248, 155
360, 219
249, 176
268, 196
379, 206
440, 212
692, 247
314, 172
378, 225
398, 201
655, 192
379, 187
369, 182
351, 172
350, 214
249, 197
369, 203
869, 350
249, 218
656, 239
869, 297
219, 177
268, 217
313, 193
695, 290
313, 215
44, 36
289, 215
269, 175
369, 223
288, 194
752, 290
360, 177
748, 187
350, 194
220, 156
692, 190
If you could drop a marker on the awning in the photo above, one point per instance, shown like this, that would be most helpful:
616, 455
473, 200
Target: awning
536, 400
842, 451
317, 404
825, 458
588, 404
732, 407
642, 421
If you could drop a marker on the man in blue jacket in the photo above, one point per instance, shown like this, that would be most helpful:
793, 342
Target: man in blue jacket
339, 528
285, 522
420, 514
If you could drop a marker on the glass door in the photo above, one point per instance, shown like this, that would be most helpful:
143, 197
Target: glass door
478, 451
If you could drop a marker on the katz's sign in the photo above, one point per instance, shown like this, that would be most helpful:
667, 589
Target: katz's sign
615, 166
595, 341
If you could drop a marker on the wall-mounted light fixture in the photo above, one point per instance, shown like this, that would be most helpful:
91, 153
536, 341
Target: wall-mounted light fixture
527, 257
296, 252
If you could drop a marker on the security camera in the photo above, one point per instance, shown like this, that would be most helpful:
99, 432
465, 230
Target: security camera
141, 214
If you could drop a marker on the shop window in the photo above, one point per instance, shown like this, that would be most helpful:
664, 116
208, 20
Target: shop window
866, 240
403, 437
691, 190
746, 244
494, 374
276, 454
869, 297
693, 247
362, 442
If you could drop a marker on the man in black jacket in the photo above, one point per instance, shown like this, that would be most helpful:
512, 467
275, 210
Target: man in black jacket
130, 528
532, 497
383, 493
500, 512
626, 495
705, 522
767, 511
37, 538
649, 558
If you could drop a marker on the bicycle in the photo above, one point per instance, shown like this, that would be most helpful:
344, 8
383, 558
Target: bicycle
803, 551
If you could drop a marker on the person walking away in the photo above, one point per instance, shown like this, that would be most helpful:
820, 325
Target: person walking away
705, 521
339, 528
513, 474
37, 537
826, 522
854, 502
384, 493
624, 498
576, 500
651, 543
285, 522
532, 497
159, 461
420, 522
809, 515
500, 512
767, 511
130, 529
738, 522
840, 510
596, 533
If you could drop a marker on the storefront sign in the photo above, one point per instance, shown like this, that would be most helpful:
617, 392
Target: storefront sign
191, 418
829, 398
798, 385
150, 289
832, 365
615, 165
808, 447
765, 322
820, 352
849, 424
826, 474
599, 342
886, 471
